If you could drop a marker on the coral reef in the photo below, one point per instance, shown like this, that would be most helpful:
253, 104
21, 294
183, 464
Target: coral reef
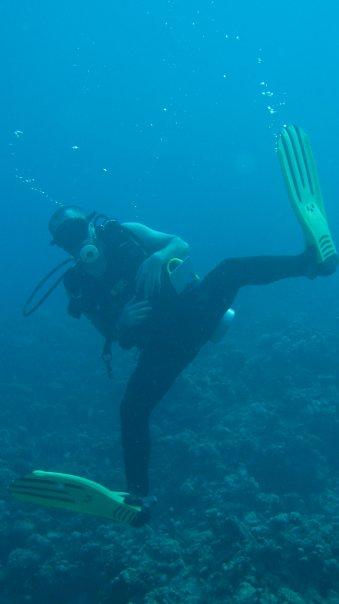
245, 465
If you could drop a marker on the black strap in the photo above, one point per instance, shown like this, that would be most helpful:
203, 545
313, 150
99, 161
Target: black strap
30, 308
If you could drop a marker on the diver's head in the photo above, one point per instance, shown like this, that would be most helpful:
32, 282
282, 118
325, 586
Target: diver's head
74, 232
69, 227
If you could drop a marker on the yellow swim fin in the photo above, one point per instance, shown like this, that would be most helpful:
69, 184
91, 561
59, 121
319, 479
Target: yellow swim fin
52, 489
301, 177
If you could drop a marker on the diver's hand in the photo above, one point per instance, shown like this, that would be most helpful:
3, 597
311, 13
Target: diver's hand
133, 315
148, 280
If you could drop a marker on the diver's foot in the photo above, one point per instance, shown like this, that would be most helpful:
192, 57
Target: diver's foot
314, 269
146, 504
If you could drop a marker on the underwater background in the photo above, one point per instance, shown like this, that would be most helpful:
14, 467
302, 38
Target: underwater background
168, 113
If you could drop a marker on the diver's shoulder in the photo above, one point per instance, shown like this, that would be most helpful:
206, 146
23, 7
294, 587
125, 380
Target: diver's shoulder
132, 226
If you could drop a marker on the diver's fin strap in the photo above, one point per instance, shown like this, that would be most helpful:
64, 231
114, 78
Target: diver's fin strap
301, 177
53, 489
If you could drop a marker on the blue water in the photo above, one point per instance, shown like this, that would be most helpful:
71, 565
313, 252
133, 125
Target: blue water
166, 113
155, 112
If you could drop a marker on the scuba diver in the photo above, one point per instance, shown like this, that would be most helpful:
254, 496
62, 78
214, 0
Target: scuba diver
138, 288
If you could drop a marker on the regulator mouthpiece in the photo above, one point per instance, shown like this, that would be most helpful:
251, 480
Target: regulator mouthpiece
89, 254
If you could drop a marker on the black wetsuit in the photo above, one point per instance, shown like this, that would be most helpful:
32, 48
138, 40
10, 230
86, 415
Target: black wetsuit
176, 338
177, 331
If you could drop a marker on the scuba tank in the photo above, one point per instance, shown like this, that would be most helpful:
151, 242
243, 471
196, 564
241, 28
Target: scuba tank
223, 326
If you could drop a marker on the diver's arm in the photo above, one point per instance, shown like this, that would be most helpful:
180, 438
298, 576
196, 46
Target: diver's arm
162, 248
165, 246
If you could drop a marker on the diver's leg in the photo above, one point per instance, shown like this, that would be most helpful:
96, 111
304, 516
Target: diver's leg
217, 291
233, 273
150, 381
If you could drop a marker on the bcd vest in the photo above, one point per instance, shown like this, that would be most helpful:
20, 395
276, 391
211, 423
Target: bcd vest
107, 295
